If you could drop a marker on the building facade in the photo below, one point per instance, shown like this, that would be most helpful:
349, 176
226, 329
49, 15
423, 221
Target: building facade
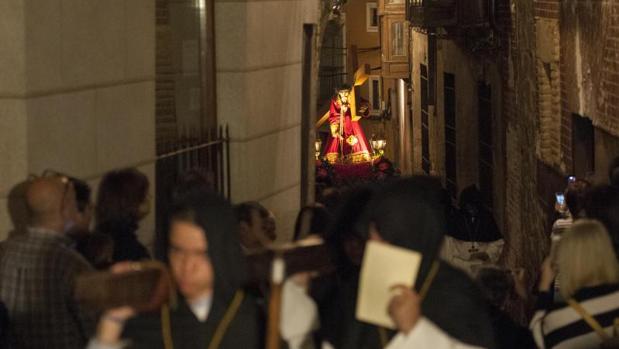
78, 95
514, 98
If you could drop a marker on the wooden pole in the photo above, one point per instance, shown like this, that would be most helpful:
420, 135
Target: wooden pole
278, 269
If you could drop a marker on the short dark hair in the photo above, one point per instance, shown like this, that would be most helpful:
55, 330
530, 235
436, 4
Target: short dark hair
243, 211
319, 221
576, 195
192, 182
120, 195
343, 87
82, 193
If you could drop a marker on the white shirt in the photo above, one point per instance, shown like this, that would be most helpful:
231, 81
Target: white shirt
299, 315
201, 307
425, 334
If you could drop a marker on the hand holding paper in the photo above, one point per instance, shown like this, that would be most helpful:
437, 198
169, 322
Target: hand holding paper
384, 266
405, 308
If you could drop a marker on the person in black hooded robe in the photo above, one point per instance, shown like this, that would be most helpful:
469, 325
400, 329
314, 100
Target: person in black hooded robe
200, 310
336, 294
475, 222
472, 235
409, 213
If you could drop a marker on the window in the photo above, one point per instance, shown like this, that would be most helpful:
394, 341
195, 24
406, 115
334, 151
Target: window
185, 71
583, 146
486, 151
375, 95
371, 17
425, 133
397, 39
449, 92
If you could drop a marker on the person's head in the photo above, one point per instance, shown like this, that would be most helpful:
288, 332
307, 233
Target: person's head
384, 168
471, 200
191, 182
203, 247
575, 197
343, 93
408, 213
330, 198
84, 205
496, 285
603, 205
256, 225
51, 203
613, 172
122, 196
311, 220
345, 237
585, 258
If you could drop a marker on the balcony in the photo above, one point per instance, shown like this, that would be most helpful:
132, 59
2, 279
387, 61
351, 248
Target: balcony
432, 13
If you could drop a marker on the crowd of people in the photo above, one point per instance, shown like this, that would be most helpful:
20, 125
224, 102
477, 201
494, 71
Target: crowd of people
459, 299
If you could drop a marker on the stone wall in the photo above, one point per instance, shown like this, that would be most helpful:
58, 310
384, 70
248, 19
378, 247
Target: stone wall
590, 70
76, 90
468, 71
527, 239
258, 48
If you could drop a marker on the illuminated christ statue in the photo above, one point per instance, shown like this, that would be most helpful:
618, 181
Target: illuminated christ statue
347, 142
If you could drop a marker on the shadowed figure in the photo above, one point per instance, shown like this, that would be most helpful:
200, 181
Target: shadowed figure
409, 213
18, 208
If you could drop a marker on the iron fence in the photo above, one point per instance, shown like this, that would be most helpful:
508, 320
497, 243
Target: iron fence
205, 154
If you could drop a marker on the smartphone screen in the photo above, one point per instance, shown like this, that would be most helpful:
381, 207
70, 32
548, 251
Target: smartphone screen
560, 198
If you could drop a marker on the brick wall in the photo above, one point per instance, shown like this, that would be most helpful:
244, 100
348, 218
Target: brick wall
525, 218
547, 9
589, 67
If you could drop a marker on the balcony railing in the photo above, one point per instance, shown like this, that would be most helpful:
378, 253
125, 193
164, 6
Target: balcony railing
446, 13
432, 13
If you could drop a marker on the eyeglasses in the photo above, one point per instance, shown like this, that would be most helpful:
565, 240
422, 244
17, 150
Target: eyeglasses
49, 173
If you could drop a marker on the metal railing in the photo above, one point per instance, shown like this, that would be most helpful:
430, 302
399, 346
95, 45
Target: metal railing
332, 72
206, 154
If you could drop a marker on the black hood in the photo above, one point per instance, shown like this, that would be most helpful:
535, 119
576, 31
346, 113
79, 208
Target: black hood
409, 213
215, 216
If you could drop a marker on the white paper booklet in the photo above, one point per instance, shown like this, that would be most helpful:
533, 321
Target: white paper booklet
384, 266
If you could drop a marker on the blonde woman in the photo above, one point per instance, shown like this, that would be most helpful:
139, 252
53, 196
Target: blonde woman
589, 277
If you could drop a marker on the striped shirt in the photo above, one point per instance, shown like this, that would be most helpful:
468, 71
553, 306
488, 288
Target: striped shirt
560, 326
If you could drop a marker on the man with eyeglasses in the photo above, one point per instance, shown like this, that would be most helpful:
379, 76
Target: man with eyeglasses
38, 270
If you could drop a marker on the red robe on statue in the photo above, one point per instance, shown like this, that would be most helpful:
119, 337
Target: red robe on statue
350, 142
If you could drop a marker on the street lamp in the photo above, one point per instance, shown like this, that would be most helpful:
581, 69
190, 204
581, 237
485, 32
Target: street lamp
379, 146
317, 147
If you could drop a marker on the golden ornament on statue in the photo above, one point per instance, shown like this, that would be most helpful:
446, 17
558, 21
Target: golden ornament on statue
352, 140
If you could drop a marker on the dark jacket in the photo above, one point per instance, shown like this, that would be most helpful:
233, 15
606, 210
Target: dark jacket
127, 247
188, 332
410, 213
473, 222
336, 298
